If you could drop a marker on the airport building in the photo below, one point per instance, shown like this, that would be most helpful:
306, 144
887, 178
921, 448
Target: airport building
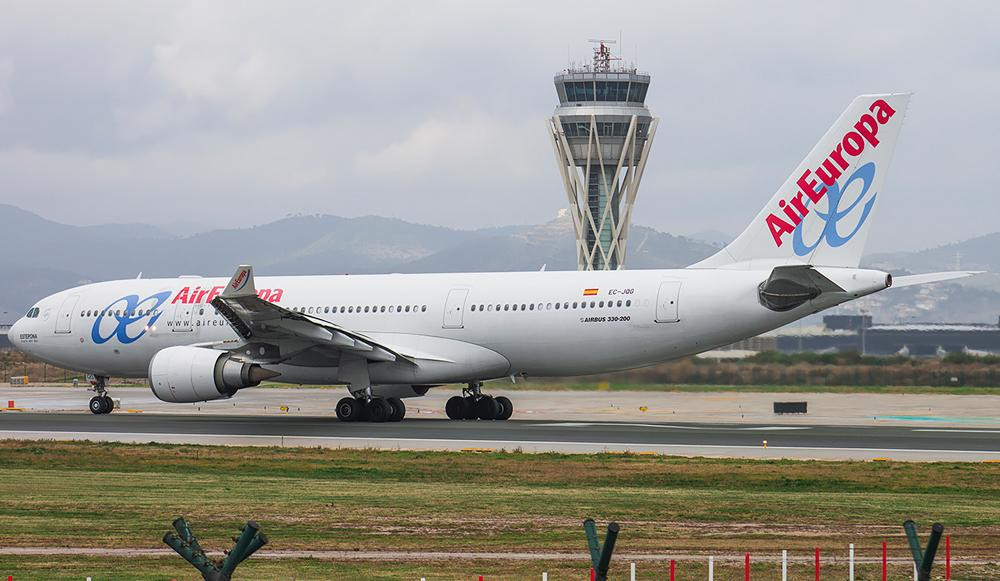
601, 134
857, 333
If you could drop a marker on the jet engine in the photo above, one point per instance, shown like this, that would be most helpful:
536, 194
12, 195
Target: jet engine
193, 374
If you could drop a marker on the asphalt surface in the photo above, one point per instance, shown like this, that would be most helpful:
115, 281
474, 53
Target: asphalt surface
748, 440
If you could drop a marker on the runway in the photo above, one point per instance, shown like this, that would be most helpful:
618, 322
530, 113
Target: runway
675, 438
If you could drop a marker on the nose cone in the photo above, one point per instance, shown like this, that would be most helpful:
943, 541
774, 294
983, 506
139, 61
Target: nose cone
14, 333
22, 335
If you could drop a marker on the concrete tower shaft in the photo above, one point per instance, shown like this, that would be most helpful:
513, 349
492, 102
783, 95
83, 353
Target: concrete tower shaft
601, 134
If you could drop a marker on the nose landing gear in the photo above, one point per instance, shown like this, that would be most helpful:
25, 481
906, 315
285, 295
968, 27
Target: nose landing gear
474, 404
101, 403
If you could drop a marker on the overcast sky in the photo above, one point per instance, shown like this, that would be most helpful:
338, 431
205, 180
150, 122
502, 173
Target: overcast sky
240, 113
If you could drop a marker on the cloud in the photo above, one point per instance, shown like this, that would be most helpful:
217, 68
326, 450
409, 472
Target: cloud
457, 144
244, 111
6, 94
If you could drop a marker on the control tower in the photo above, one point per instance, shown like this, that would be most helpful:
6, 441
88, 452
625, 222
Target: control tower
601, 134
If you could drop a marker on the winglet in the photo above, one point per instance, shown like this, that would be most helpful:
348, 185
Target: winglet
241, 285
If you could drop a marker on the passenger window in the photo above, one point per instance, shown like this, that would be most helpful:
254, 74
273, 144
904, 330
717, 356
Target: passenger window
473, 309
628, 303
522, 306
574, 304
566, 305
489, 308
548, 306
531, 307
557, 306
506, 307
424, 308
407, 308
602, 304
619, 302
382, 310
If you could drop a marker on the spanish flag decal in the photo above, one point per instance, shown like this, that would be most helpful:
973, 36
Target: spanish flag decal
590, 292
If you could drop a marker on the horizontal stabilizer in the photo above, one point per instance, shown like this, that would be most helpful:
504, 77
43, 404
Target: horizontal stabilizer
930, 277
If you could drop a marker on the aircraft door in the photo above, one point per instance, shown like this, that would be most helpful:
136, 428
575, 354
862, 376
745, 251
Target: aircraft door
667, 300
454, 309
182, 318
65, 317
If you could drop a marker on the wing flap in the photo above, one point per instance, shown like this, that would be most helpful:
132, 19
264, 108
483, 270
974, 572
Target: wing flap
264, 324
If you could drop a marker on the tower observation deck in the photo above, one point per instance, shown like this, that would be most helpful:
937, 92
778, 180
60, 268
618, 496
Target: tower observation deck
601, 134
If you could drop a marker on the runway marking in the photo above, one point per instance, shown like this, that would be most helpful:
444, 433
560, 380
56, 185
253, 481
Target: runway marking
670, 426
956, 431
511, 442
957, 420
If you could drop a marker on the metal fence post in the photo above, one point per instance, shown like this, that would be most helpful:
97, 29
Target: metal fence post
851, 570
784, 565
711, 568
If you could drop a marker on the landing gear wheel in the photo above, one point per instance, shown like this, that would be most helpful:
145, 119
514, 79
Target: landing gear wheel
97, 405
398, 409
487, 408
469, 410
379, 410
506, 408
109, 404
455, 408
350, 409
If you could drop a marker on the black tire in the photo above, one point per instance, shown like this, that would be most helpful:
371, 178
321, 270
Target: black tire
398, 409
109, 405
487, 408
455, 408
506, 408
349, 409
96, 405
379, 410
469, 409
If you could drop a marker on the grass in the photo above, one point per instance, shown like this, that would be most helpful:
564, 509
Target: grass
84, 494
543, 385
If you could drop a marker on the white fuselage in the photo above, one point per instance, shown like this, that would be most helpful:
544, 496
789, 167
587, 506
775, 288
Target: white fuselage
461, 327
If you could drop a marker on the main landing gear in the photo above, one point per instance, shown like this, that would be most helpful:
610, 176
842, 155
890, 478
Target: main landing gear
473, 404
370, 409
101, 403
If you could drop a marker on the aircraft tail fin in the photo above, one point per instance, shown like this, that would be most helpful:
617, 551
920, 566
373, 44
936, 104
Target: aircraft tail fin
822, 213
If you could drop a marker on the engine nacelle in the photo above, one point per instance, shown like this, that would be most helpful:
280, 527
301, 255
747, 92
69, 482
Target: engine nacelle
193, 374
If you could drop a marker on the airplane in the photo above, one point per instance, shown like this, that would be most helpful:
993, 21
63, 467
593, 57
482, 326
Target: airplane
395, 336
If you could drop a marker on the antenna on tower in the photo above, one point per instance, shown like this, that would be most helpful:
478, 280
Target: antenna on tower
602, 54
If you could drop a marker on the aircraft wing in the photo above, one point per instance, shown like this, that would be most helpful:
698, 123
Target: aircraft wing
913, 279
274, 334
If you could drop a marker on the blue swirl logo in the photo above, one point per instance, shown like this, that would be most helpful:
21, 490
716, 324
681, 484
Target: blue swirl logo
127, 312
834, 213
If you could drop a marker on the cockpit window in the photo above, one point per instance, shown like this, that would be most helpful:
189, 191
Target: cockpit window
32, 313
